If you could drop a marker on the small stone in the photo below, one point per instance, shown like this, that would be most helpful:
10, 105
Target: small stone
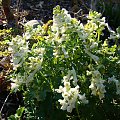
34, 23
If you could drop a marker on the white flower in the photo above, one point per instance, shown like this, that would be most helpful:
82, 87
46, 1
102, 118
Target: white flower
65, 78
65, 53
88, 72
19, 49
92, 86
16, 81
71, 76
112, 79
69, 109
83, 98
64, 104
39, 50
14, 86
60, 90
27, 35
67, 86
70, 95
94, 45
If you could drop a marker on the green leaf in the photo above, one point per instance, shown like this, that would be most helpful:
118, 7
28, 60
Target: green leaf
20, 111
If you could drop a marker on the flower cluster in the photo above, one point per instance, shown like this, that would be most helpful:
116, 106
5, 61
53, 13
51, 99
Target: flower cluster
117, 83
18, 48
70, 94
97, 84
63, 24
37, 57
61, 20
40, 65
17, 80
95, 22
22, 55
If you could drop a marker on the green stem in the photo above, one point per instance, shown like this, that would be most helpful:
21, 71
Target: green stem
98, 36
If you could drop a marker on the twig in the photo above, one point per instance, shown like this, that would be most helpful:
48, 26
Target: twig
18, 8
4, 105
84, 5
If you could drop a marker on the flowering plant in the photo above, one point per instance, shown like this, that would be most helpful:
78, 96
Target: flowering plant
70, 71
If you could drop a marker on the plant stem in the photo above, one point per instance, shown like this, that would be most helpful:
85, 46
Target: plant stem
4, 105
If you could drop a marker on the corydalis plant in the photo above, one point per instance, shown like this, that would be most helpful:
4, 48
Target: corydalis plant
70, 60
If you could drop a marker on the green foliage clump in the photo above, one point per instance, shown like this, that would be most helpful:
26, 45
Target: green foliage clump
68, 72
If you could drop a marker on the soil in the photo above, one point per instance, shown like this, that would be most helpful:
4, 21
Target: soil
43, 9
